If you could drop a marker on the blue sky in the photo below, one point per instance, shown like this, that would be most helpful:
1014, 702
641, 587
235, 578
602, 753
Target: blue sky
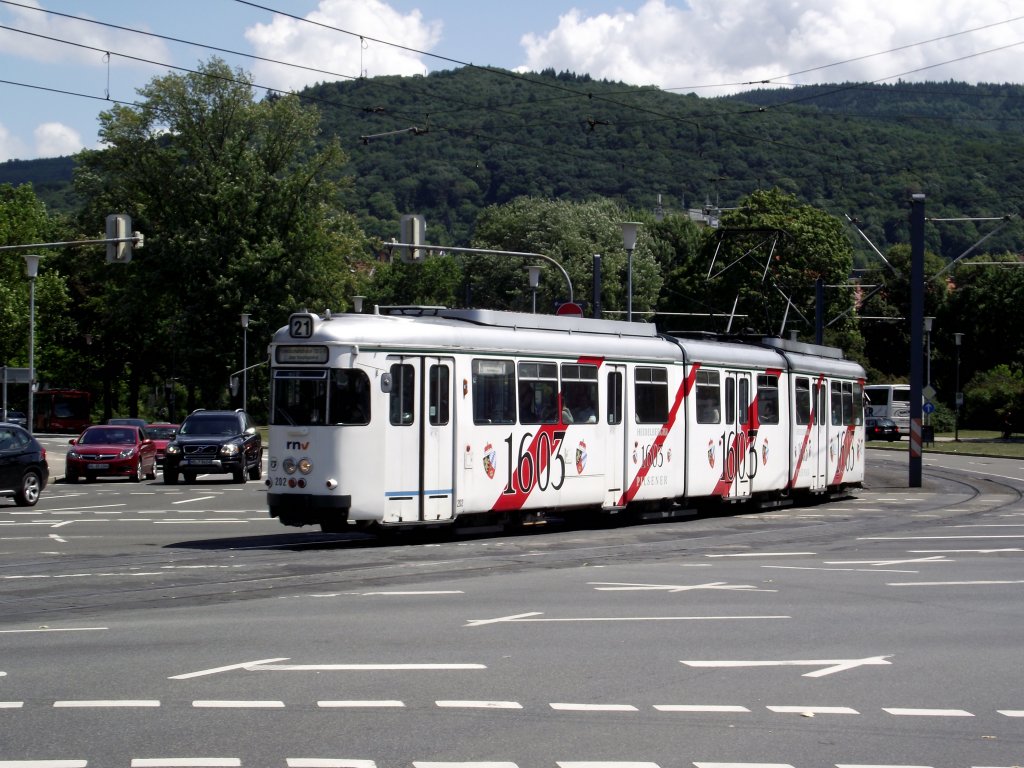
705, 46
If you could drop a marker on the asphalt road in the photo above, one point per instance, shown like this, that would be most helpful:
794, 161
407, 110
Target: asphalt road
151, 625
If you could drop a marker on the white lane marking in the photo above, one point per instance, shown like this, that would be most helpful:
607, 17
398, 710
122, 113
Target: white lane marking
524, 618
790, 710
78, 509
831, 665
743, 765
1011, 712
952, 583
102, 703
568, 707
852, 570
211, 520
244, 665
699, 708
197, 498
360, 703
456, 704
51, 629
764, 554
965, 551
237, 704
418, 592
315, 762
933, 559
603, 764
468, 764
930, 538
43, 763
358, 667
58, 539
615, 586
11, 704
910, 712
848, 765
185, 762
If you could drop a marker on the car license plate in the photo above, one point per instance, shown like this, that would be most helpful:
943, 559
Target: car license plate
198, 461
98, 466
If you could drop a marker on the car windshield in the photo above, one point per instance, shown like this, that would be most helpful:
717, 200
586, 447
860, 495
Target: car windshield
107, 437
161, 433
210, 425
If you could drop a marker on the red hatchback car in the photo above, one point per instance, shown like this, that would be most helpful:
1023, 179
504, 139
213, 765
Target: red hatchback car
113, 450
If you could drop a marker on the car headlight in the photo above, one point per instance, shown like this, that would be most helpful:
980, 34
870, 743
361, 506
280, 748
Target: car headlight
172, 449
74, 455
126, 453
229, 449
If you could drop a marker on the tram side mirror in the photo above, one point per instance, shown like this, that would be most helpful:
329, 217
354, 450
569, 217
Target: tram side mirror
385, 383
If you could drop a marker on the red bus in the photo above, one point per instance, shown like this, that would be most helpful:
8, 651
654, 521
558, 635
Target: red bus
61, 410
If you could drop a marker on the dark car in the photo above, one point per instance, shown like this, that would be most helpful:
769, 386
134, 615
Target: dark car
215, 442
23, 468
18, 417
111, 450
161, 434
127, 421
881, 429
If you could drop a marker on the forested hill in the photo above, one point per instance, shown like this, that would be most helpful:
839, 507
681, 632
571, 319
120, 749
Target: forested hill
449, 143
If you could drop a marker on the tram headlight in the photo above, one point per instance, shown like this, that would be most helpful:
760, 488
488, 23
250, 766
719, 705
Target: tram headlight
289, 466
305, 466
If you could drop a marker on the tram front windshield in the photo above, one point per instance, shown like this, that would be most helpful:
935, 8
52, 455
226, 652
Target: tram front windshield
324, 397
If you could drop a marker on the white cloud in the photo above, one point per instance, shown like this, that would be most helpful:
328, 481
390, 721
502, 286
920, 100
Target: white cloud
732, 44
56, 139
11, 148
290, 40
42, 33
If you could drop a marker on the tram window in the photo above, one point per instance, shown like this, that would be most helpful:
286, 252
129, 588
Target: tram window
821, 409
440, 395
847, 403
403, 401
614, 411
579, 393
858, 403
349, 397
802, 400
730, 400
299, 397
709, 397
494, 392
538, 393
744, 413
650, 391
836, 404
768, 399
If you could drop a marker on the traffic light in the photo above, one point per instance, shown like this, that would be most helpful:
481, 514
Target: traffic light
413, 231
119, 227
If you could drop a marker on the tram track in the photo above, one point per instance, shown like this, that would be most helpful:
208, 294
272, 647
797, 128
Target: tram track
210, 571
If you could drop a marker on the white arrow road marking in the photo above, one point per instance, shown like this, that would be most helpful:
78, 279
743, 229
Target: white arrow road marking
965, 551
831, 665
934, 559
246, 665
614, 586
358, 667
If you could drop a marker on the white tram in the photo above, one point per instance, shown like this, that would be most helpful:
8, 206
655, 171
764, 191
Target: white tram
445, 416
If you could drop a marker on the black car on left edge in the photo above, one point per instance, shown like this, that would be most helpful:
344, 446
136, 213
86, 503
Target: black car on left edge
23, 468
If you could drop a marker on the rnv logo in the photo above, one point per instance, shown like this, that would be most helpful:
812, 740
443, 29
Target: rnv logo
295, 445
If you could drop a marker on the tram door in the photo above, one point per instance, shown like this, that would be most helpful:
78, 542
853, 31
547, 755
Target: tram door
740, 458
615, 459
819, 435
418, 466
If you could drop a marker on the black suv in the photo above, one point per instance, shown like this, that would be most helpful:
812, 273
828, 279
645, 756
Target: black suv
215, 442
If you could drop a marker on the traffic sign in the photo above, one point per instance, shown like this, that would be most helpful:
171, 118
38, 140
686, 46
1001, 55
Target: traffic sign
570, 308
928, 392
928, 408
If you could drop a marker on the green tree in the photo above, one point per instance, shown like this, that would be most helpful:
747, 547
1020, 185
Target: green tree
994, 398
239, 204
766, 258
571, 233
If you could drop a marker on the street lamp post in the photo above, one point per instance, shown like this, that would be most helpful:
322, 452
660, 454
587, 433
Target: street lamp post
629, 243
534, 271
959, 395
32, 270
245, 361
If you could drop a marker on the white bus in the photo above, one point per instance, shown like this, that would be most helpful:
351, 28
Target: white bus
890, 401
